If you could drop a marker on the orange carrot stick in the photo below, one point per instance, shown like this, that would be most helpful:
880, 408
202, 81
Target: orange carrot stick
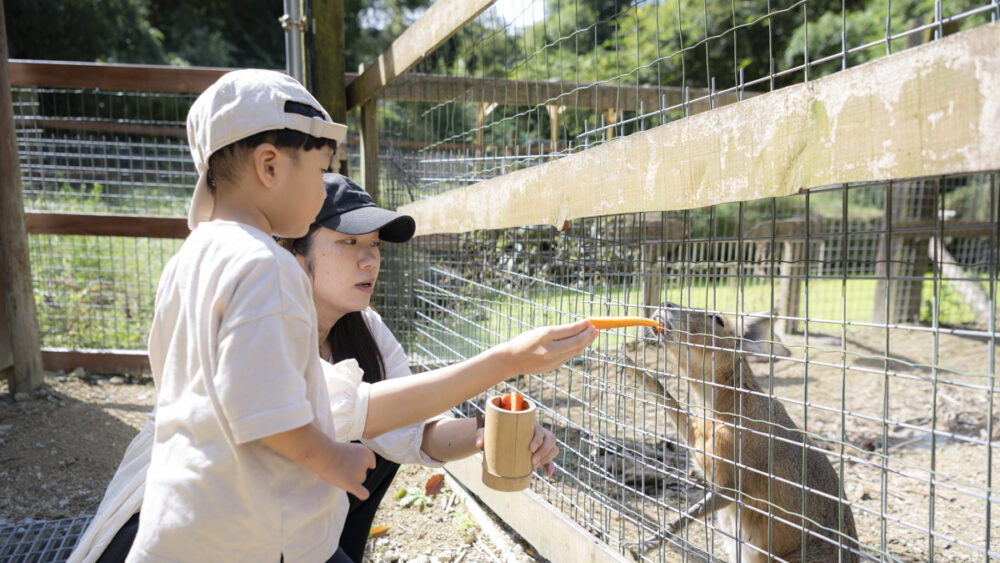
604, 323
517, 402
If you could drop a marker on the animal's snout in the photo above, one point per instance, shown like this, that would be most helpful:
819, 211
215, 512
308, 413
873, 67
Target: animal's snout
665, 315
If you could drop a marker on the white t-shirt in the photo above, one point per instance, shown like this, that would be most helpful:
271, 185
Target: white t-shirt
234, 353
348, 406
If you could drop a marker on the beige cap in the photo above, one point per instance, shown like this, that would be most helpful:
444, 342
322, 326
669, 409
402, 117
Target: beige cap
243, 103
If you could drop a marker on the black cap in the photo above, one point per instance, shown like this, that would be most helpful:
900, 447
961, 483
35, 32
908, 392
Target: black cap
350, 210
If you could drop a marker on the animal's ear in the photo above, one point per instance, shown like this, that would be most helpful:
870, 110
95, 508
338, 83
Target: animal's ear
755, 331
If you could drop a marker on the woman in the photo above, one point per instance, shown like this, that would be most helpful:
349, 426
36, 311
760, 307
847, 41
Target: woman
341, 255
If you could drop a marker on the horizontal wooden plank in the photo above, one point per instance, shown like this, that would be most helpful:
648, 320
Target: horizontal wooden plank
552, 533
106, 225
143, 78
413, 87
96, 361
418, 87
443, 19
927, 111
103, 127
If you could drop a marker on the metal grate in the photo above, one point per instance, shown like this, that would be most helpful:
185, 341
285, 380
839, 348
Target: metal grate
34, 541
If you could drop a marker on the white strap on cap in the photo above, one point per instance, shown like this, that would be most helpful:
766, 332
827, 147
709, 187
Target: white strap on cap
316, 127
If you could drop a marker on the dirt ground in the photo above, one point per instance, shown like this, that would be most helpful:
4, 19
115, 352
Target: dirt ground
878, 396
59, 451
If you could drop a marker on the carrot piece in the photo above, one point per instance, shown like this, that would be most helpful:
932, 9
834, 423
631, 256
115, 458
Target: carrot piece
505, 402
604, 323
517, 402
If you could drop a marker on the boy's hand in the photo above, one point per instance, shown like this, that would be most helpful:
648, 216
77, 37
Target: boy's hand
543, 448
348, 468
546, 348
343, 465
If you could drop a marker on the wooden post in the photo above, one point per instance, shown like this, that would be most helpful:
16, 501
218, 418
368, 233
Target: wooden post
789, 296
657, 235
611, 116
793, 234
480, 119
554, 113
369, 146
327, 70
15, 264
907, 253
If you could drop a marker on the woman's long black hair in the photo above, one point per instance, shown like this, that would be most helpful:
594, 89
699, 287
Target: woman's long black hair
350, 337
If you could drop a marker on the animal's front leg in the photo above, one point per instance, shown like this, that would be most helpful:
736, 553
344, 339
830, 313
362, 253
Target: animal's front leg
708, 505
713, 501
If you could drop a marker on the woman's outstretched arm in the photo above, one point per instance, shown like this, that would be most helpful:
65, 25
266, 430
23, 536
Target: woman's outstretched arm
395, 403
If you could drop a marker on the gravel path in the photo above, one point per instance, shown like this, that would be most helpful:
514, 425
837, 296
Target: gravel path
59, 449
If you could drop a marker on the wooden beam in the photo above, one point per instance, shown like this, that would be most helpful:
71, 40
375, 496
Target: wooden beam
552, 533
141, 78
931, 110
442, 20
410, 87
106, 225
97, 361
416, 87
178, 131
369, 149
329, 83
15, 274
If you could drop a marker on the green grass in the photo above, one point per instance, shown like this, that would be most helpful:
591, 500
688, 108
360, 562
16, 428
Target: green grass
831, 302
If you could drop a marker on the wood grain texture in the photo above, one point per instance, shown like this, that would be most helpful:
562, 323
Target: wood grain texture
930, 110
442, 20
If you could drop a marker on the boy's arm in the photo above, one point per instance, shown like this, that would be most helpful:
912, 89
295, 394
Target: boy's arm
395, 403
343, 465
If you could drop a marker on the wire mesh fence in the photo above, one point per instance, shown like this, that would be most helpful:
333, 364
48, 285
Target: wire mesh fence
103, 151
828, 387
904, 410
852, 327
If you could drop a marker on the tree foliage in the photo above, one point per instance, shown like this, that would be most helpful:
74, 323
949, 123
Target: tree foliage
227, 33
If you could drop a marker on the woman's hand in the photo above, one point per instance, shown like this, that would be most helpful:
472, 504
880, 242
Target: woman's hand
543, 448
546, 348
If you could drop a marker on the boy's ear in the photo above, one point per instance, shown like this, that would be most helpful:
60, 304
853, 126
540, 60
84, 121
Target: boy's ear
265, 161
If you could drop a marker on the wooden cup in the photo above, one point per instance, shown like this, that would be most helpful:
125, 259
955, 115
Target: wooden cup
507, 446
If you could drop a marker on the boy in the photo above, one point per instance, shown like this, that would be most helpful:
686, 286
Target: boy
242, 460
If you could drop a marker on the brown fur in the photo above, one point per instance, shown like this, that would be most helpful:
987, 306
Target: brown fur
731, 418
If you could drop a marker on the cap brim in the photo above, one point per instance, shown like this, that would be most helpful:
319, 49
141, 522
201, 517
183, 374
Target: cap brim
202, 202
391, 226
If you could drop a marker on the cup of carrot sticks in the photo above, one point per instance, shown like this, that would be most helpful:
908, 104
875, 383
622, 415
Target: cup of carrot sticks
507, 434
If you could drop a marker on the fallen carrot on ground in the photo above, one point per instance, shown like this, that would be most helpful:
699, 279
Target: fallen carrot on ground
604, 323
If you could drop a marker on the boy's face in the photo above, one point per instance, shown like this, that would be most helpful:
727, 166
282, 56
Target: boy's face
299, 190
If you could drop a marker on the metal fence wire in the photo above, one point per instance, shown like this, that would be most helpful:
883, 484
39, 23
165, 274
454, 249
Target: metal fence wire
826, 387
825, 383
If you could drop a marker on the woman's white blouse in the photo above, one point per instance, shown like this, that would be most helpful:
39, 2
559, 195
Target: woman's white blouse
348, 405
349, 402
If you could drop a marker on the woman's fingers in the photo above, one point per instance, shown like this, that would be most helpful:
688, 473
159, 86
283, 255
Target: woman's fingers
538, 439
543, 447
561, 332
